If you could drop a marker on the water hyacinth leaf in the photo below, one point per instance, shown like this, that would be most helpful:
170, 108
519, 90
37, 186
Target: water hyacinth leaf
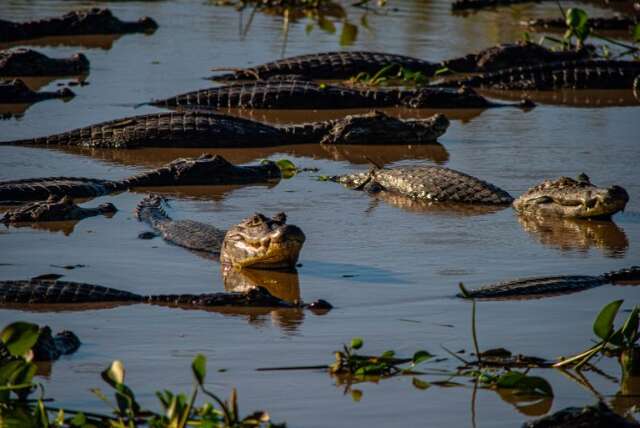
420, 356
308, 28
603, 325
199, 368
420, 384
24, 374
356, 395
114, 374
8, 369
635, 33
286, 165
356, 343
388, 354
19, 337
630, 328
79, 420
349, 34
509, 379
576, 18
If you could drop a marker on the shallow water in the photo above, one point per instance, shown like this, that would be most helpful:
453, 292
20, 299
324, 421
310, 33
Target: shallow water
390, 267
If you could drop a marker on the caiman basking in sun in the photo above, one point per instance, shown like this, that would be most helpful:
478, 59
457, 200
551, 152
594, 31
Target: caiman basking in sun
563, 197
547, 286
587, 74
209, 129
76, 23
344, 65
27, 62
204, 170
34, 292
257, 242
306, 94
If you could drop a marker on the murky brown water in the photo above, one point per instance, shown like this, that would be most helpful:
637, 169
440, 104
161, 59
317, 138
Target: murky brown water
390, 267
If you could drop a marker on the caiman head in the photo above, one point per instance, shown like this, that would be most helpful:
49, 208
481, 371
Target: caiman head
214, 169
566, 197
263, 243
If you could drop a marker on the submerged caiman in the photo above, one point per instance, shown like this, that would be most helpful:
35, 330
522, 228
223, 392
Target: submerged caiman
75, 23
209, 129
344, 65
15, 91
539, 287
53, 292
587, 74
563, 197
204, 170
47, 347
27, 62
55, 208
257, 242
305, 94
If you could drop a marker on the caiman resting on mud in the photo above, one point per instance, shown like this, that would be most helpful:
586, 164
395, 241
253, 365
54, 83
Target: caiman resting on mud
343, 65
47, 292
204, 170
76, 23
305, 94
563, 197
15, 91
27, 62
209, 129
539, 287
257, 242
588, 74
55, 208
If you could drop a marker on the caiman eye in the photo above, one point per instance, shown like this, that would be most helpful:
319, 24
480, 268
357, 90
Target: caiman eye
257, 220
280, 218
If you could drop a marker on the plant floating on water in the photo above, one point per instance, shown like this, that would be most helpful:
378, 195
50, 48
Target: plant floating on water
180, 410
288, 169
392, 74
512, 379
622, 342
349, 363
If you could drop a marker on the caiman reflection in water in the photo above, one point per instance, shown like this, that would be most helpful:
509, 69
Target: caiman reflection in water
571, 97
282, 284
433, 208
95, 41
568, 234
355, 154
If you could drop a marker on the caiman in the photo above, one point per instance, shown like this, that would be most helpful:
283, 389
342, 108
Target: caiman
540, 287
344, 65
53, 292
75, 23
15, 91
55, 208
595, 416
258, 242
209, 129
296, 94
588, 74
204, 170
566, 197
47, 347
614, 23
27, 62
563, 197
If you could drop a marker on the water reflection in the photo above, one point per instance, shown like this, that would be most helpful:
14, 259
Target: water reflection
97, 41
628, 396
36, 83
434, 208
355, 154
528, 405
577, 235
66, 227
571, 97
282, 284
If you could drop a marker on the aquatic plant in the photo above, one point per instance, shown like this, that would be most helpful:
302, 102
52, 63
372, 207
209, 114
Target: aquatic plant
179, 410
622, 342
391, 74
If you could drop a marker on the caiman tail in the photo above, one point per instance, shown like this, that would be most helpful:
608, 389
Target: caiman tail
189, 234
631, 274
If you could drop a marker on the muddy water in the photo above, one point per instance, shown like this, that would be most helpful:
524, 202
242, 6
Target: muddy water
390, 267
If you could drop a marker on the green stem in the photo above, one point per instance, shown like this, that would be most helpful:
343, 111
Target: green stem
614, 42
588, 353
473, 331
227, 416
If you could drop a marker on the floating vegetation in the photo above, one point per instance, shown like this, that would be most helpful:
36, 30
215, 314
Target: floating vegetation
392, 74
178, 409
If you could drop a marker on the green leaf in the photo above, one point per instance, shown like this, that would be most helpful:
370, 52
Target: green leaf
24, 374
199, 368
356, 343
326, 25
630, 328
286, 165
114, 374
509, 379
576, 18
420, 384
349, 34
388, 354
420, 356
603, 325
308, 28
79, 420
19, 337
635, 33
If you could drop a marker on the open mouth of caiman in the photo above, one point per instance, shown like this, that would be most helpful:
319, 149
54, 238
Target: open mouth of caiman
261, 242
